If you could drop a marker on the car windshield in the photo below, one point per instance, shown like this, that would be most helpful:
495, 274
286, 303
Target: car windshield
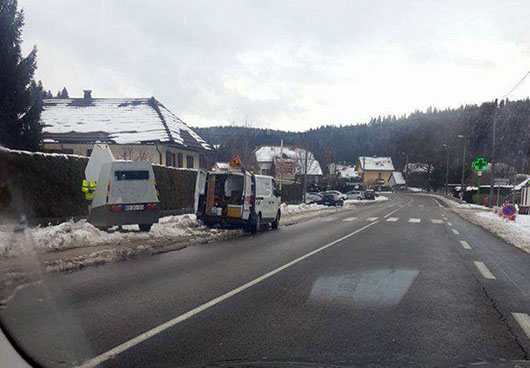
302, 183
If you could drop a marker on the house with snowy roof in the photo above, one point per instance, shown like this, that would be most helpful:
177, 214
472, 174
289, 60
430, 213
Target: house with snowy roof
375, 170
134, 129
289, 163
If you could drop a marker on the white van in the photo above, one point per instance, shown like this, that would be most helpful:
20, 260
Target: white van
237, 197
125, 194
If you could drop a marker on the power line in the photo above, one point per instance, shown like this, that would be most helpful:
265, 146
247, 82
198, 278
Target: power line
517, 85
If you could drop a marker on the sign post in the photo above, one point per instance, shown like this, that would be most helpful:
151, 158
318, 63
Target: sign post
498, 183
479, 164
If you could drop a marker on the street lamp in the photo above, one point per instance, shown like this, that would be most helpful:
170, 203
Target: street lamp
446, 168
463, 164
406, 171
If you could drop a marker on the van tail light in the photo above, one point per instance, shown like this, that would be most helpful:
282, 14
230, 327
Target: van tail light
151, 206
116, 208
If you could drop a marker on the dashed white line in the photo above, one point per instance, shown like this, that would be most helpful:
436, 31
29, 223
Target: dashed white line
110, 354
465, 244
484, 271
327, 219
524, 321
455, 231
415, 220
436, 221
392, 219
420, 205
450, 223
350, 219
372, 218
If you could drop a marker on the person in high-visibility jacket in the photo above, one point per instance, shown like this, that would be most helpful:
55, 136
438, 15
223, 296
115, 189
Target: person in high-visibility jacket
89, 187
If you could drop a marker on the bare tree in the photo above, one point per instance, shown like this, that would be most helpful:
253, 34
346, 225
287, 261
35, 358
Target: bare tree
135, 153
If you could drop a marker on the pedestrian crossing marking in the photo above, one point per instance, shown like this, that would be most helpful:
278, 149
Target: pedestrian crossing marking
372, 218
421, 205
415, 220
392, 219
455, 231
450, 224
350, 219
484, 270
436, 221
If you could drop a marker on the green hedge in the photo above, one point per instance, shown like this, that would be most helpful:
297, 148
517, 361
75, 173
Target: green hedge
45, 187
292, 193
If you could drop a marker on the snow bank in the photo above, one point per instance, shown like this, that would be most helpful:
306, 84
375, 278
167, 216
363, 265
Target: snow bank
514, 232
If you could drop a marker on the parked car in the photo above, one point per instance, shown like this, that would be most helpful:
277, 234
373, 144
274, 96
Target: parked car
332, 199
337, 193
313, 197
369, 194
238, 197
354, 194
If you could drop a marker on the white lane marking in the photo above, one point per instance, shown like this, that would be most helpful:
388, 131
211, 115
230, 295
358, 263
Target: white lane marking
372, 218
484, 271
455, 231
388, 214
465, 244
436, 221
350, 219
109, 354
415, 220
328, 219
450, 223
392, 219
524, 321
438, 203
421, 205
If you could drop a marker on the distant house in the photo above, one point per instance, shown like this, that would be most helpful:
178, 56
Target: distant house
134, 129
396, 179
375, 170
220, 166
417, 174
288, 163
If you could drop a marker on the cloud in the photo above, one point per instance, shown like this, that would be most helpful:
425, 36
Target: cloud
281, 64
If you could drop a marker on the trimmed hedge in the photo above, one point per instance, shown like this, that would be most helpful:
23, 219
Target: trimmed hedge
292, 193
45, 187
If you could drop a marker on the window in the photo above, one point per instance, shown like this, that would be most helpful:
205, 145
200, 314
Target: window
202, 161
189, 162
170, 159
263, 187
180, 160
132, 175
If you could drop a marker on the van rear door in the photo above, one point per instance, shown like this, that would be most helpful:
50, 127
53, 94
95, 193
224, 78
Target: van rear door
247, 194
200, 190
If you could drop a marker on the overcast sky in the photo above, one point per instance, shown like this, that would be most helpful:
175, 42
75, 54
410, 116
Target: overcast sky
287, 65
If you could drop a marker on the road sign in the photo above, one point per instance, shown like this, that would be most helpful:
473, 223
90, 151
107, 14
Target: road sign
235, 162
508, 210
480, 164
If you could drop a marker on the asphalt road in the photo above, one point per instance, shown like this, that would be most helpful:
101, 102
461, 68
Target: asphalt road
401, 283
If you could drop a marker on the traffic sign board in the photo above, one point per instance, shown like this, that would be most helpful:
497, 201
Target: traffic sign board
508, 210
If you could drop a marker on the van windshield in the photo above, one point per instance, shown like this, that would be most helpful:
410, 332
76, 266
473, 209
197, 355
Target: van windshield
132, 175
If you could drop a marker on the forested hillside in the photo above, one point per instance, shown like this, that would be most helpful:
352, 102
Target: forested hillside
421, 135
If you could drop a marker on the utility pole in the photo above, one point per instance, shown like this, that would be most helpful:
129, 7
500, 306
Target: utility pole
406, 171
463, 163
305, 168
281, 164
492, 181
446, 168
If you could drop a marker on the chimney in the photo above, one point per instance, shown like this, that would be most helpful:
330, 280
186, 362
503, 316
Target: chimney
87, 94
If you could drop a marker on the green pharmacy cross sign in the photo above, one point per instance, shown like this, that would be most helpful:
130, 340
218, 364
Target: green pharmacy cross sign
480, 164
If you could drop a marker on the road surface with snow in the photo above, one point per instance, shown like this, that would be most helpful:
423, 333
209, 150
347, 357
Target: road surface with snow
406, 282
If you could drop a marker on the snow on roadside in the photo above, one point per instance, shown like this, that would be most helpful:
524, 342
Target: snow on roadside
514, 232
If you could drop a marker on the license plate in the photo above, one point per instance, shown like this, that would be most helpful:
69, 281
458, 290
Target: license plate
134, 207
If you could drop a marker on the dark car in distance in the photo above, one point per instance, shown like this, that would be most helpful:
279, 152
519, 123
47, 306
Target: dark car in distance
332, 199
369, 194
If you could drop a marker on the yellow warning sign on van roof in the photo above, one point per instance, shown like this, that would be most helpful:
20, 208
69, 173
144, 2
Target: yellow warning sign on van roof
235, 162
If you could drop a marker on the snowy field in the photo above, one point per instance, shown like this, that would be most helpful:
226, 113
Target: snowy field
83, 244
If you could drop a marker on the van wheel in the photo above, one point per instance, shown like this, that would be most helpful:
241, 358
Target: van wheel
255, 224
276, 221
145, 227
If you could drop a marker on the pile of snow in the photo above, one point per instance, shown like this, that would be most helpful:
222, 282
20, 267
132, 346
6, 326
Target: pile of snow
416, 190
514, 232
365, 201
79, 234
